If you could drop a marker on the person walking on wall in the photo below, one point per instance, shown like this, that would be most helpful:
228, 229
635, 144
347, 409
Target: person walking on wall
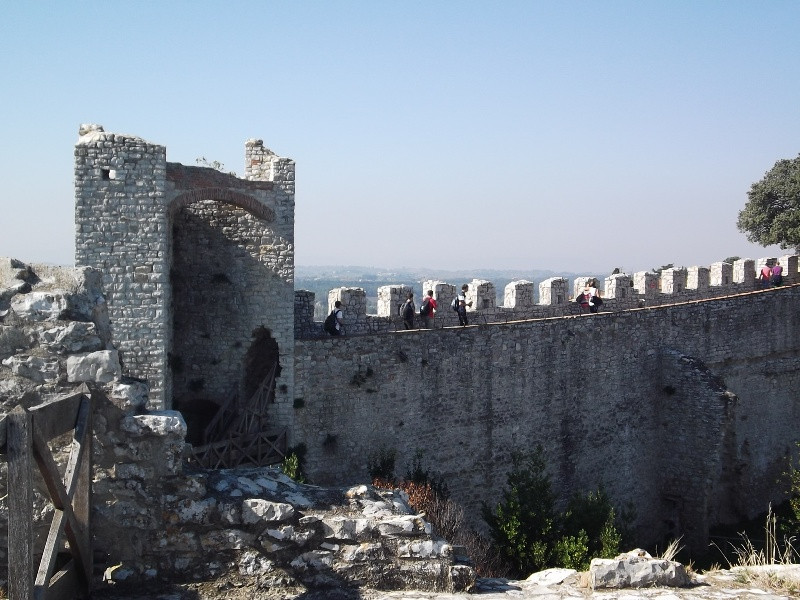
776, 275
462, 305
765, 275
407, 310
338, 319
428, 310
592, 294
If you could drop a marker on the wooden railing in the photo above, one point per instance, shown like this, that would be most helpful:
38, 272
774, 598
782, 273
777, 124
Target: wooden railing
260, 448
65, 570
222, 420
239, 433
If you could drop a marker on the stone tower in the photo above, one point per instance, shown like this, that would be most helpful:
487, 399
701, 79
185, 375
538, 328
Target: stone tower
198, 266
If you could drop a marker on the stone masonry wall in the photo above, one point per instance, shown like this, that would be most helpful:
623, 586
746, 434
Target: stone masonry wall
594, 392
224, 289
193, 260
122, 229
695, 493
232, 274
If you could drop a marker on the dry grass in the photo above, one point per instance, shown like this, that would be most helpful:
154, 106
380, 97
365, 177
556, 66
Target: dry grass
672, 550
749, 561
773, 552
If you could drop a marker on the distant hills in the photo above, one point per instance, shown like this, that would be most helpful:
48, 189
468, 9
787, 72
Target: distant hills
372, 273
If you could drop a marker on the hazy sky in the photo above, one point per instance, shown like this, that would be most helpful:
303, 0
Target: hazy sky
575, 136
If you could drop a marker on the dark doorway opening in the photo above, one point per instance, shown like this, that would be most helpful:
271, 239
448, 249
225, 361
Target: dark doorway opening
259, 361
198, 412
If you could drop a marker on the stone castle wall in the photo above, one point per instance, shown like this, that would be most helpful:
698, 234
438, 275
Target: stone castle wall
194, 262
554, 298
669, 408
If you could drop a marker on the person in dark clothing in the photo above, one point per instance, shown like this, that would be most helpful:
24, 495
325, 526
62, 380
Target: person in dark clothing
462, 305
338, 324
407, 310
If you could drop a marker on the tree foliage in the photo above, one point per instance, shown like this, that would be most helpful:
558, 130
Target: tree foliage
794, 494
772, 212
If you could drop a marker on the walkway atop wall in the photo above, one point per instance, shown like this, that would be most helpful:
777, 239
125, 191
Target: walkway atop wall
554, 299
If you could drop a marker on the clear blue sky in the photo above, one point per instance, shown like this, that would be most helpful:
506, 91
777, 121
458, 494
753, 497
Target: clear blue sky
574, 136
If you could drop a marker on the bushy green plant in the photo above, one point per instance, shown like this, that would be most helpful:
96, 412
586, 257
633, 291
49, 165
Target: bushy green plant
531, 535
292, 463
571, 551
522, 525
291, 467
610, 538
593, 514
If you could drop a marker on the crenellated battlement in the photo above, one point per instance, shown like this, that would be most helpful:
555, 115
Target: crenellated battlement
555, 297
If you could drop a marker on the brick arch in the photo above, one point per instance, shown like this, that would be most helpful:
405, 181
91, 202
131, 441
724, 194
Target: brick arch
248, 203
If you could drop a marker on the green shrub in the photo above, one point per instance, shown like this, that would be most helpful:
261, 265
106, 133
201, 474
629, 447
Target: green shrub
292, 464
571, 551
291, 467
523, 524
594, 516
531, 536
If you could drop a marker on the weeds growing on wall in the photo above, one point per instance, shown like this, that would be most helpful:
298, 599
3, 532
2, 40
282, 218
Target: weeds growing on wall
417, 473
531, 535
213, 164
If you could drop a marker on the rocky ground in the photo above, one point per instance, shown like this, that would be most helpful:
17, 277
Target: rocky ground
761, 583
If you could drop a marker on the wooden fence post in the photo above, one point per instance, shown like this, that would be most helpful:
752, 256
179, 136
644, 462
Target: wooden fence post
20, 500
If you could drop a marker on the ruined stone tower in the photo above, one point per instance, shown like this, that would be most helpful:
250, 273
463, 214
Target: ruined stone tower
198, 265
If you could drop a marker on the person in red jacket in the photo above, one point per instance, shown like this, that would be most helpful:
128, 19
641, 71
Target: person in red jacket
428, 310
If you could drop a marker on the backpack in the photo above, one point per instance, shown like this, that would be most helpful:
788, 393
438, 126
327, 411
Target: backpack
455, 304
330, 323
425, 309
